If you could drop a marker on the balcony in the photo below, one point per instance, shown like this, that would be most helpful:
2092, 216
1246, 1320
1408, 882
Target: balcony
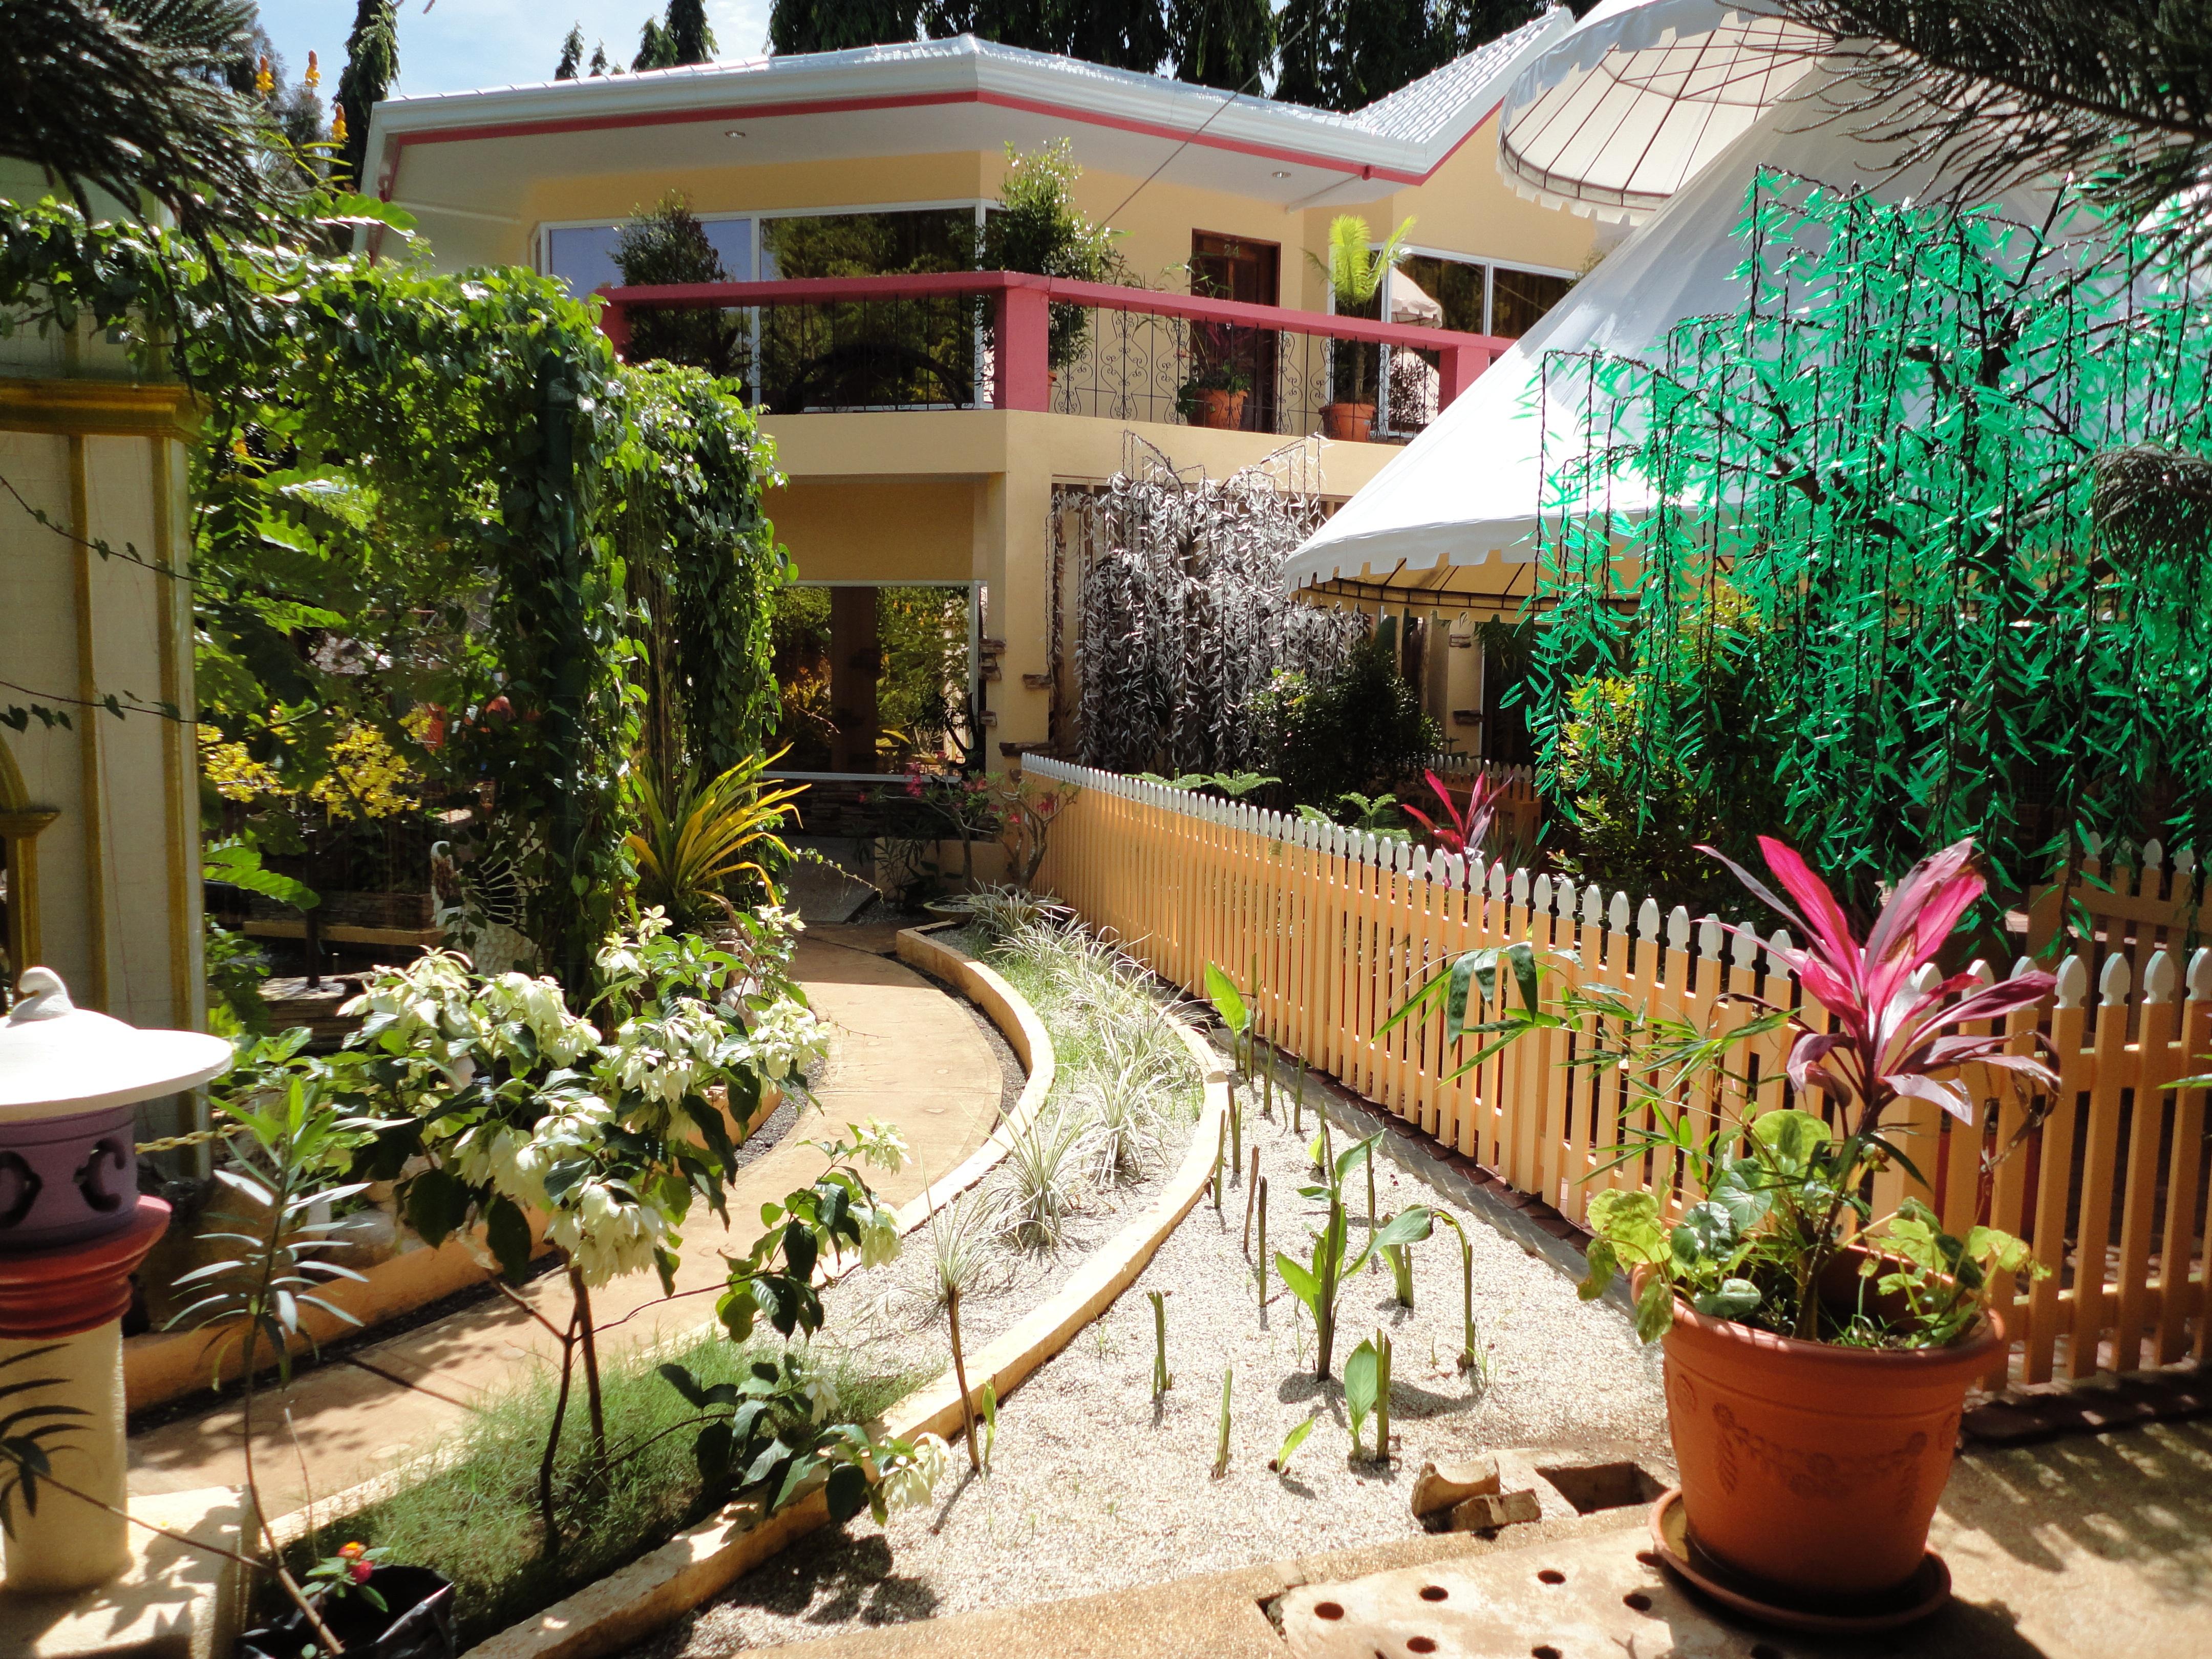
998, 339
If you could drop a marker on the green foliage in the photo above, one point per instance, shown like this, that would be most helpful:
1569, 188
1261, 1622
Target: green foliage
476, 1521
1291, 1441
1227, 43
802, 26
1038, 228
1362, 1377
1162, 1381
572, 55
136, 97
1885, 606
371, 65
662, 246
434, 468
1339, 55
1360, 729
1316, 1283
1221, 1444
693, 845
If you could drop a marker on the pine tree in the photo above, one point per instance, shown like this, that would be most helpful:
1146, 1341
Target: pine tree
1129, 34
599, 60
572, 55
798, 26
1994, 93
690, 38
1222, 43
371, 65
654, 49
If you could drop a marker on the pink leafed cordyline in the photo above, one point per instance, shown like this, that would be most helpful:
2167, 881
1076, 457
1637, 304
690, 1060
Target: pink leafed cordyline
1889, 1038
1463, 830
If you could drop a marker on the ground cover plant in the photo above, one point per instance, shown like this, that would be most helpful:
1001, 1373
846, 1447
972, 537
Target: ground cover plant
475, 1517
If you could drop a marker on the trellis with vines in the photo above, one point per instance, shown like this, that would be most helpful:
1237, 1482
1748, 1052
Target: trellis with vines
1914, 544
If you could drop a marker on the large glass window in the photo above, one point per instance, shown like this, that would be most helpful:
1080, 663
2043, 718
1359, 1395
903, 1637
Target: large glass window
583, 256
1519, 299
876, 678
878, 354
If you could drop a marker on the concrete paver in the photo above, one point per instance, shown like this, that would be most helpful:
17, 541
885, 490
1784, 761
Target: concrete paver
2077, 1549
902, 1050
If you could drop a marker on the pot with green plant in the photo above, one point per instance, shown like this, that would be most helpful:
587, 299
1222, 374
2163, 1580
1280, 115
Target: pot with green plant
1355, 272
1214, 396
1817, 1354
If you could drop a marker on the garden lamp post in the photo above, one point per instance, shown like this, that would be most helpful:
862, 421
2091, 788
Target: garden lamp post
73, 1224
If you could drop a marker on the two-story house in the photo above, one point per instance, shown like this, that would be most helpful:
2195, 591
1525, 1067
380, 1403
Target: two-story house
925, 412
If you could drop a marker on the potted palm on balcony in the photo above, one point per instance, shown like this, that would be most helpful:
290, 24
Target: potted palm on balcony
1355, 273
1817, 1354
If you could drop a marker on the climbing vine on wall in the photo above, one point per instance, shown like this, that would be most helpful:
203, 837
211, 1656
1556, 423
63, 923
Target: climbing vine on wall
408, 496
1914, 544
1182, 615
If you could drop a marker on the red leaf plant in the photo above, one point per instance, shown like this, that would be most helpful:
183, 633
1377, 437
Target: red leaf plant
1887, 1038
1464, 829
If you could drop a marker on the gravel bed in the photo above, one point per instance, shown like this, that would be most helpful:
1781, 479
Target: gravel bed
1097, 1486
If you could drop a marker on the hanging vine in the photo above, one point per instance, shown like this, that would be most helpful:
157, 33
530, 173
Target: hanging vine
407, 496
1183, 617
1915, 545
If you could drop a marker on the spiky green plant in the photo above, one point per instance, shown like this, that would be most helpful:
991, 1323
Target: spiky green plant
1221, 1446
1162, 1381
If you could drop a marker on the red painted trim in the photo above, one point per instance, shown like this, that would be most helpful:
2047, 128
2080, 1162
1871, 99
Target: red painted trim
454, 135
826, 290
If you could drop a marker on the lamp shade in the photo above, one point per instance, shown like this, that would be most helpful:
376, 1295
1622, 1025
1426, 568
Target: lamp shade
57, 1059
69, 1160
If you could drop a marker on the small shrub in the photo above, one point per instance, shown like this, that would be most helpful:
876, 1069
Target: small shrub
1042, 1182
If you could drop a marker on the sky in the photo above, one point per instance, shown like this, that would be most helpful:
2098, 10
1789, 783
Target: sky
458, 44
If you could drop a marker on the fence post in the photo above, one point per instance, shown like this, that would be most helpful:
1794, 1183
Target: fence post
1020, 374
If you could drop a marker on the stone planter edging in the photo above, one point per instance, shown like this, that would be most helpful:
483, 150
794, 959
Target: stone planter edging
632, 1602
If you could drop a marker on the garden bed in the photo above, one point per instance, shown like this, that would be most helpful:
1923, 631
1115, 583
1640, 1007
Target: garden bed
1095, 1486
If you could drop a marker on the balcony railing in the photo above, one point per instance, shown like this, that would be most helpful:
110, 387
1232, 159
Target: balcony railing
999, 339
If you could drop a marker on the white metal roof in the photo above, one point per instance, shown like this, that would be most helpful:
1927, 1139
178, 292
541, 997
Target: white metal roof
931, 95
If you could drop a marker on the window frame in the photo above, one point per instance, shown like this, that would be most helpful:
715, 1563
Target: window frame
975, 709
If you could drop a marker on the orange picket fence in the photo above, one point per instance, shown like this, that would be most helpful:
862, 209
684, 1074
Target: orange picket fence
1331, 930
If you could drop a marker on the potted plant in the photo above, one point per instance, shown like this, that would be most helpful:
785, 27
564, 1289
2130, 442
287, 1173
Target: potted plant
1036, 227
1355, 273
1214, 396
1817, 1354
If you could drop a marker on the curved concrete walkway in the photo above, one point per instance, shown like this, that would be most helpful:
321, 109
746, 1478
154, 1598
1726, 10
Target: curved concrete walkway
902, 1050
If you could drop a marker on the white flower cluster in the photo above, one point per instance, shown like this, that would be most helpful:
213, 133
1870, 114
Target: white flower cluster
537, 1004
908, 1483
516, 1161
609, 1233
783, 1039
668, 1058
879, 1237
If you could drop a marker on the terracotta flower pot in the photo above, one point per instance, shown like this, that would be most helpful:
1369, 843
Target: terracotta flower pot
1351, 423
1217, 408
1811, 1469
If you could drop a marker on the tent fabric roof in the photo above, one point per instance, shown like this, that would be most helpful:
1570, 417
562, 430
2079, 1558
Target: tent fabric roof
1619, 114
1456, 510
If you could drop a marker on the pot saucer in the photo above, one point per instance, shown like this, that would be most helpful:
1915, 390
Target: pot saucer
1927, 1591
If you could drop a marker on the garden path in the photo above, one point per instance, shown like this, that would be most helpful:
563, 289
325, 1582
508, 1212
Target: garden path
903, 1050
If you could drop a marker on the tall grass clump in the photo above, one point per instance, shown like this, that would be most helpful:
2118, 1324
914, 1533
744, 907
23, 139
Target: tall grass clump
474, 1517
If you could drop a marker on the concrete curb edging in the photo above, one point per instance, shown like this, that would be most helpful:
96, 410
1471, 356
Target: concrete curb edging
631, 1603
1026, 1034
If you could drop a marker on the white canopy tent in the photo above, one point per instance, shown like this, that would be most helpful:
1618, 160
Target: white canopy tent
1456, 513
1627, 108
